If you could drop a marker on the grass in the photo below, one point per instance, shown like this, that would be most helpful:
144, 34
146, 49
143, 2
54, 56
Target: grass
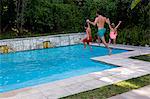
117, 88
114, 89
142, 57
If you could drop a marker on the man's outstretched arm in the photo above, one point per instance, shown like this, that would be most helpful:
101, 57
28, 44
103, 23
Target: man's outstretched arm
108, 22
93, 23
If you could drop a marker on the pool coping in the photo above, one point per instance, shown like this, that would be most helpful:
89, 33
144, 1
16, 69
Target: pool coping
128, 68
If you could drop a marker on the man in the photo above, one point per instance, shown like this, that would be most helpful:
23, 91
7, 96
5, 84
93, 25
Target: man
100, 22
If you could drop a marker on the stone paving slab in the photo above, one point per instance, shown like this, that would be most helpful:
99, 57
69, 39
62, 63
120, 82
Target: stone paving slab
129, 68
142, 93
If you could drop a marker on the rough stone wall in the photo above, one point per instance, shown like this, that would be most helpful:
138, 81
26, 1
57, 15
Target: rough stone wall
31, 43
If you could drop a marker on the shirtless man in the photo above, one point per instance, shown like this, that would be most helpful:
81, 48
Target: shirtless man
100, 22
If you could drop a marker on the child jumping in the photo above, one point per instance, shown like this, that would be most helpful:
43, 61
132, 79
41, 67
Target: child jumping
88, 37
113, 32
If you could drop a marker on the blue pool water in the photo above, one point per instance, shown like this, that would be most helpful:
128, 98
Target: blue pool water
22, 69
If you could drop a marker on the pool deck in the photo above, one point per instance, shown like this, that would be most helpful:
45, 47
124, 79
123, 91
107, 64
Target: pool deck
129, 68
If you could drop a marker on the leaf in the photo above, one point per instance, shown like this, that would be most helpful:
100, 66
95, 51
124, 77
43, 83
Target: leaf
134, 3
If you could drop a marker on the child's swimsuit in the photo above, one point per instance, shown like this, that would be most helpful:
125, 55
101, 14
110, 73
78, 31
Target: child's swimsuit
101, 32
88, 40
113, 35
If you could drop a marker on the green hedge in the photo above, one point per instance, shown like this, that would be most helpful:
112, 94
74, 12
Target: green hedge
49, 17
65, 16
134, 36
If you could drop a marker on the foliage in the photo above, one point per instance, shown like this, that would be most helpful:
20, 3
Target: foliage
134, 3
134, 36
53, 17
6, 10
20, 8
49, 16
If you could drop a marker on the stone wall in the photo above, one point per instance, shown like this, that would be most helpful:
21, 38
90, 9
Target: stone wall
31, 43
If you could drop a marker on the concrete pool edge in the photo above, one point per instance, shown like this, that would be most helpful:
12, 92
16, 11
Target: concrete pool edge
130, 68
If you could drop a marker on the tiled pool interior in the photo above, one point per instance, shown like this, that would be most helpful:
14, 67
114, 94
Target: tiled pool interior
27, 68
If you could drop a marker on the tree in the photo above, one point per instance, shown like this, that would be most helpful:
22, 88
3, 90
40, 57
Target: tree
0, 16
20, 12
7, 14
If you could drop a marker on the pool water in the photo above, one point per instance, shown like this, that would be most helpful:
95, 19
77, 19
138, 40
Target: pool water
27, 68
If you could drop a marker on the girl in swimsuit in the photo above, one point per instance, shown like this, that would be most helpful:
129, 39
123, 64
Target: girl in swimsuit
113, 32
88, 37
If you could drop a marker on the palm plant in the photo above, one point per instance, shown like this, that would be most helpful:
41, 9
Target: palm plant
134, 3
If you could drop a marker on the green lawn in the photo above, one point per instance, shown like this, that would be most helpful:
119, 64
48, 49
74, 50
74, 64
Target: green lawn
114, 89
117, 88
142, 57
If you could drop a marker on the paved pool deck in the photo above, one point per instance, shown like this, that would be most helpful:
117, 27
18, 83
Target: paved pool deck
129, 68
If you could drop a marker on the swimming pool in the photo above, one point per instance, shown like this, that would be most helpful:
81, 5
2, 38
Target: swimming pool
27, 68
